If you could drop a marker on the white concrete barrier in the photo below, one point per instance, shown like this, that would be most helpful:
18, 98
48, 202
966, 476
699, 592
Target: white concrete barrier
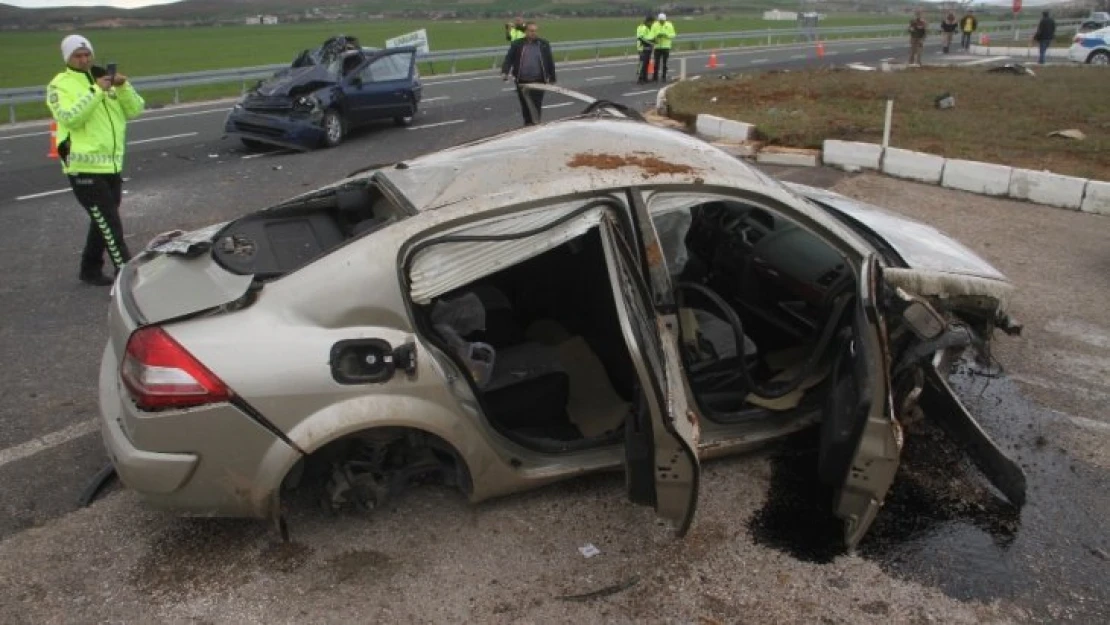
708, 125
913, 165
1097, 198
1044, 187
794, 157
849, 154
715, 127
976, 177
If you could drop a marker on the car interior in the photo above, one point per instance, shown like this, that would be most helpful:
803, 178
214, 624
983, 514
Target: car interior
543, 346
273, 242
763, 308
745, 276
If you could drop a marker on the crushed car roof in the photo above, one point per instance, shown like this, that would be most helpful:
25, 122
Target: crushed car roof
572, 156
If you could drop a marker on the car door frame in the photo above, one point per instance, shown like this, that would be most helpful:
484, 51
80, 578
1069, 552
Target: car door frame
385, 99
662, 467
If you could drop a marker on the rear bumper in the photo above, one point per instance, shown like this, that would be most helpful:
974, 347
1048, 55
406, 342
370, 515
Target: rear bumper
208, 461
285, 131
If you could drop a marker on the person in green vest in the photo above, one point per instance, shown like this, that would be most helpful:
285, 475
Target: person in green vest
645, 46
662, 34
91, 106
515, 30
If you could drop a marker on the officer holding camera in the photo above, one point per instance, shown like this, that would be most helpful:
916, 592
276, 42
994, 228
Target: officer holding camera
92, 105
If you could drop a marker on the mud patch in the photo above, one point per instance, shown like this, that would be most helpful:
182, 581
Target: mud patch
651, 165
944, 526
284, 557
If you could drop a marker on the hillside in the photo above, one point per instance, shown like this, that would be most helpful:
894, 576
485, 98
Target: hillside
194, 12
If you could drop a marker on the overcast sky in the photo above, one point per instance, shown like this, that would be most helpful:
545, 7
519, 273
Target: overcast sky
122, 4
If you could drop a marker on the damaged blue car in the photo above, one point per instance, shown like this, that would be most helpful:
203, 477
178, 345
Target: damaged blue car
326, 93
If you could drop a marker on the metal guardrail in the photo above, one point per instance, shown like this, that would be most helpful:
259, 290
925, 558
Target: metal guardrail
692, 42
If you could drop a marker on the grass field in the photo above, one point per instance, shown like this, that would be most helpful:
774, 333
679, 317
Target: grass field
998, 118
147, 52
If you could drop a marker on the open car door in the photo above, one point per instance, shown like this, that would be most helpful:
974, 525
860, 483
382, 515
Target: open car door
661, 441
861, 442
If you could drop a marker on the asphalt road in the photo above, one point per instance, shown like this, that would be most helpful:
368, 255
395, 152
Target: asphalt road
183, 174
177, 140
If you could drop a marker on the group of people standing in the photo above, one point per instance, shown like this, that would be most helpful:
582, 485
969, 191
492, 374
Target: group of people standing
966, 26
654, 39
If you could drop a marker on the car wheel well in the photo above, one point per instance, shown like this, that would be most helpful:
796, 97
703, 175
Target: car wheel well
1096, 54
365, 469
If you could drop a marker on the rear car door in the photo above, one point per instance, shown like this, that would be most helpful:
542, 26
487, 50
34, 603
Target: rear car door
861, 442
661, 442
385, 86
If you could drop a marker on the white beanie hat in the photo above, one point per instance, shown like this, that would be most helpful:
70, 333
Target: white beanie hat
72, 44
662, 16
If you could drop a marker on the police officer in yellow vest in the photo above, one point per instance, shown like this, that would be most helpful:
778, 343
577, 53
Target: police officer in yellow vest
662, 34
92, 107
645, 46
515, 30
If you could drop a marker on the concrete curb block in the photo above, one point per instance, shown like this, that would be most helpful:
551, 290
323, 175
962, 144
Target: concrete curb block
661, 105
719, 128
1030, 52
1045, 187
914, 165
849, 154
793, 157
976, 177
1096, 198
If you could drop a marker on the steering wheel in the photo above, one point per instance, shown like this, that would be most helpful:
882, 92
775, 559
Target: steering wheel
780, 388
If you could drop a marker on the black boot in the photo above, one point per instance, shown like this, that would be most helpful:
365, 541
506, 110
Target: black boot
95, 278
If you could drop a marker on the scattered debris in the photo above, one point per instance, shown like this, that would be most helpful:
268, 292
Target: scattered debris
945, 101
277, 168
589, 550
604, 592
1095, 551
861, 67
213, 156
713, 99
1071, 133
1011, 68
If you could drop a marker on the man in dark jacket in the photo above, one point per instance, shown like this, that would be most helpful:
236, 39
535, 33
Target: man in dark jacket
530, 61
918, 28
1046, 32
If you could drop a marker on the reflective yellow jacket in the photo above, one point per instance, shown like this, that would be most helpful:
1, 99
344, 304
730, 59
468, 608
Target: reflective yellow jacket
92, 121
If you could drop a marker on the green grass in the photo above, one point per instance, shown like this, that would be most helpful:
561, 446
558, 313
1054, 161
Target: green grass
802, 109
154, 51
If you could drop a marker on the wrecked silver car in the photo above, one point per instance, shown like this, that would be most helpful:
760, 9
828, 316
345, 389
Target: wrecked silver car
587, 295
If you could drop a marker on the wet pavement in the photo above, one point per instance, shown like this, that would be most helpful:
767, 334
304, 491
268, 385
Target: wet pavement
943, 525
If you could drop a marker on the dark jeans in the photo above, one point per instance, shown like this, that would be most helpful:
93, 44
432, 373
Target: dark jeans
537, 100
965, 41
645, 60
661, 56
100, 195
1044, 48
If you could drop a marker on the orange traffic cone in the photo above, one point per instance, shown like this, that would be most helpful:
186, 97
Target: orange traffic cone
53, 153
984, 39
651, 66
820, 49
712, 64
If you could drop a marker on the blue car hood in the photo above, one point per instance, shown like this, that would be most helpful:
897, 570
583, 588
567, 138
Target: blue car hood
296, 79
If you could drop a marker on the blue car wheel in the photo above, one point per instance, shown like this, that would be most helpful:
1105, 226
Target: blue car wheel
333, 128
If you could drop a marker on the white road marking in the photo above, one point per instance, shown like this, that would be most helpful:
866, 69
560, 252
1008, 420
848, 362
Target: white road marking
555, 106
799, 56
256, 155
986, 60
863, 49
600, 78
29, 134
759, 61
509, 89
628, 95
38, 195
435, 99
832, 53
193, 114
166, 138
47, 441
453, 121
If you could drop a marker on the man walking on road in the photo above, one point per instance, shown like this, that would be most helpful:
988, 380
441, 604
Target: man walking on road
645, 46
662, 35
948, 27
968, 25
918, 29
1046, 33
92, 106
529, 61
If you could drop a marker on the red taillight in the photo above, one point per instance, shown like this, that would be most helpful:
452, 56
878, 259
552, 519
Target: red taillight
160, 373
